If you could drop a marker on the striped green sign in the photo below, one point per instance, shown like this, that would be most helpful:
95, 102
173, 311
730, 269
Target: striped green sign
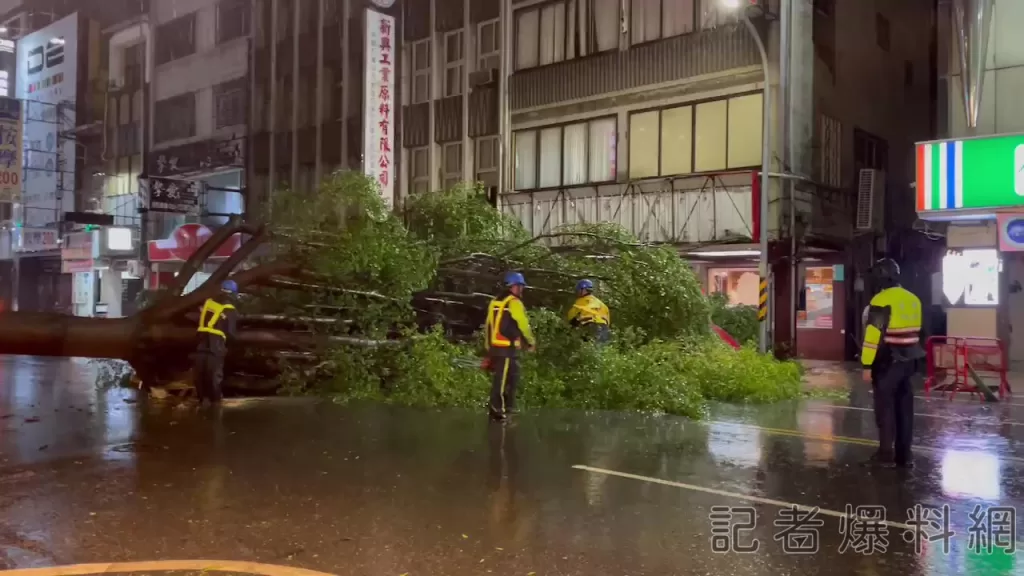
971, 174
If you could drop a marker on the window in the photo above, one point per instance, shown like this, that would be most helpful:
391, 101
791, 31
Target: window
175, 118
882, 31
818, 298
452, 170
134, 61
654, 19
603, 26
232, 20
421, 71
869, 151
830, 138
487, 158
541, 37
714, 13
573, 154
703, 137
488, 45
453, 63
740, 285
176, 39
420, 166
229, 101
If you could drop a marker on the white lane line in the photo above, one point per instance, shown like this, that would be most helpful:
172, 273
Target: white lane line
254, 568
736, 495
964, 418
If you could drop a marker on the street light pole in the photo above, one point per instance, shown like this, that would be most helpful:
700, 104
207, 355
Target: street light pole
766, 159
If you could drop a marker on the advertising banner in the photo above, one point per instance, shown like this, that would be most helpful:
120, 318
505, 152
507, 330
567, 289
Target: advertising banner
47, 80
10, 150
379, 103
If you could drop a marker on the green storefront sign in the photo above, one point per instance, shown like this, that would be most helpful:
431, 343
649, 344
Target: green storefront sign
971, 174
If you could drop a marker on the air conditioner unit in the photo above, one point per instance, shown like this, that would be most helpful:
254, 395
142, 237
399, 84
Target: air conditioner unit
870, 199
483, 77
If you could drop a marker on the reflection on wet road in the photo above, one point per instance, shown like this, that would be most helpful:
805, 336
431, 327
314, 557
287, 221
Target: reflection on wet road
91, 476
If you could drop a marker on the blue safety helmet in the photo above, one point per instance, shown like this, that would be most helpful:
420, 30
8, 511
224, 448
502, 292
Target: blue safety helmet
229, 286
514, 279
584, 284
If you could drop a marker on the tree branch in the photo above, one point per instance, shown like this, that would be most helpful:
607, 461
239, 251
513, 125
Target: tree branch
187, 302
240, 255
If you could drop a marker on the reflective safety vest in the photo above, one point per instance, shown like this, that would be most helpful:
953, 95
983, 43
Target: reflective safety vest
589, 310
211, 315
894, 319
507, 324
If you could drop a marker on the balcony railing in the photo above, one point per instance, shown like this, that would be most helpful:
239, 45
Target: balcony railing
684, 210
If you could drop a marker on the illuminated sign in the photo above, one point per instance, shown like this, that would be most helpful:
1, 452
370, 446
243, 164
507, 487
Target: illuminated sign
971, 277
974, 173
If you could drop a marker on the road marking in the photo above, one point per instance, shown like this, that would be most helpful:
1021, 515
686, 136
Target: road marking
850, 440
964, 418
970, 400
737, 495
167, 566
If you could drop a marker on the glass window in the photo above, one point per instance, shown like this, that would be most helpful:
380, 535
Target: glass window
175, 39
677, 141
676, 17
606, 24
453, 63
527, 46
574, 169
741, 285
489, 45
526, 159
603, 152
452, 164
232, 19
550, 157
745, 113
421, 71
818, 294
552, 33
568, 155
645, 20
420, 170
709, 142
643, 144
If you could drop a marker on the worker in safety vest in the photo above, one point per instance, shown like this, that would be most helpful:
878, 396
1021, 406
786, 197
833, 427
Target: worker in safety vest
507, 330
589, 312
217, 323
889, 357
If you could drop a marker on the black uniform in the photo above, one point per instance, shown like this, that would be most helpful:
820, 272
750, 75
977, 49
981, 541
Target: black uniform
217, 323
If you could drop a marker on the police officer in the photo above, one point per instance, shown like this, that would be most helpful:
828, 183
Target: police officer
217, 323
589, 311
889, 357
507, 329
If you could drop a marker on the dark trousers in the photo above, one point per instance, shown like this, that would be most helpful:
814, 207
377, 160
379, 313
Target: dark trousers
894, 409
504, 381
208, 372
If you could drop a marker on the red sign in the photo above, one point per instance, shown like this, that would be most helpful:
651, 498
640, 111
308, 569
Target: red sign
184, 242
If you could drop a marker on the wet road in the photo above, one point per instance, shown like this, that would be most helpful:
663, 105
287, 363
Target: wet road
89, 476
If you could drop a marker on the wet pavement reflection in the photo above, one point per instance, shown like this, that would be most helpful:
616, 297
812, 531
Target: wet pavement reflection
102, 476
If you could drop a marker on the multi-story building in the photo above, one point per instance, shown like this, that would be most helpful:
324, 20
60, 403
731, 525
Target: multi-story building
313, 108
650, 114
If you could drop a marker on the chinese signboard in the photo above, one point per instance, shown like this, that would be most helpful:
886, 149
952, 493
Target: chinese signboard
974, 173
77, 246
10, 150
36, 240
47, 77
379, 101
168, 195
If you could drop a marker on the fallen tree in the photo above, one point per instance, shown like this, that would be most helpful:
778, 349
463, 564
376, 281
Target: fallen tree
342, 295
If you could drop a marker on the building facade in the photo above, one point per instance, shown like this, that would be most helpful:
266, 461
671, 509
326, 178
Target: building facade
650, 114
970, 184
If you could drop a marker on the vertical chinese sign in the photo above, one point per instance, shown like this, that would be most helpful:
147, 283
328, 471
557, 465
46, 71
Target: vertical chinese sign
379, 102
10, 150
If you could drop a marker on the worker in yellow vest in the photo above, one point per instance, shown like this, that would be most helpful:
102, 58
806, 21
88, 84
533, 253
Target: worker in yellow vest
588, 311
890, 356
508, 331
217, 323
